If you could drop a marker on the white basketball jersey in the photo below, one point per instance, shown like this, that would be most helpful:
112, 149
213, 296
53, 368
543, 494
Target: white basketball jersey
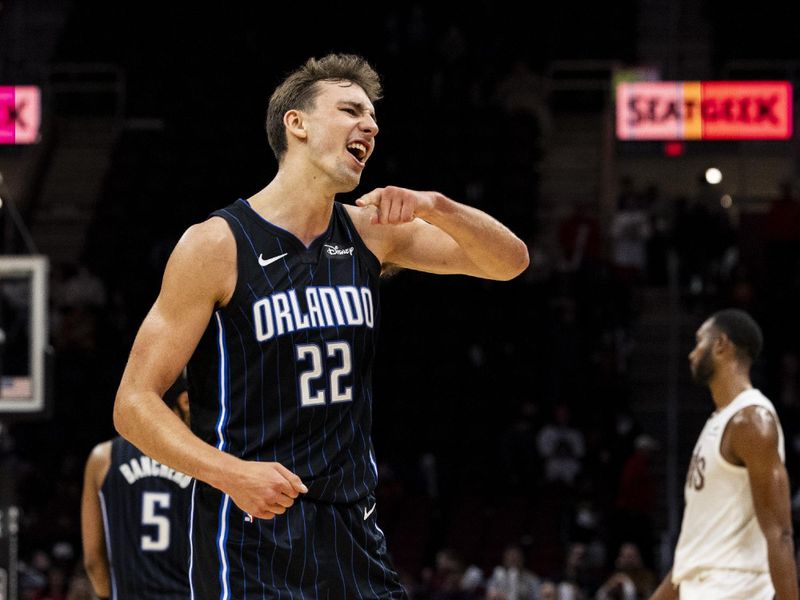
719, 529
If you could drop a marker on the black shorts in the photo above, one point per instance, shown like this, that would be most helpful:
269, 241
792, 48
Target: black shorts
314, 551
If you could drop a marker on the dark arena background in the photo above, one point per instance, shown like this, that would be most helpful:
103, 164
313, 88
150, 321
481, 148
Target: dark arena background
554, 413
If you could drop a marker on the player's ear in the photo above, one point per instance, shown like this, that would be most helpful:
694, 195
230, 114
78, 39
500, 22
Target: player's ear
723, 343
294, 121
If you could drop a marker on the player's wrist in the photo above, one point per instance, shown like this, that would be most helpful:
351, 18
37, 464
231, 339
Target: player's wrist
431, 204
222, 471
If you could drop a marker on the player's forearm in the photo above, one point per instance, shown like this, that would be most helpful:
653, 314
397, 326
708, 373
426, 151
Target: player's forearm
782, 567
665, 591
97, 571
489, 244
144, 420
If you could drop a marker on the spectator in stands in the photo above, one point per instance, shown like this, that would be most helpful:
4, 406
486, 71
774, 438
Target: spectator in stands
548, 590
580, 572
561, 446
636, 497
519, 458
444, 582
631, 580
630, 231
511, 580
83, 288
580, 238
522, 90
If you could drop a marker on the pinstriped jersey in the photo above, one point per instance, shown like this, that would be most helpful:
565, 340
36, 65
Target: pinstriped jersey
145, 517
283, 371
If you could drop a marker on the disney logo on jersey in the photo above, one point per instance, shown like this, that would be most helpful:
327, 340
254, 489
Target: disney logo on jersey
334, 250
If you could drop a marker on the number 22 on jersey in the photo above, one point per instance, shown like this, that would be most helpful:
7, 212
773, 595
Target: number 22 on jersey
336, 390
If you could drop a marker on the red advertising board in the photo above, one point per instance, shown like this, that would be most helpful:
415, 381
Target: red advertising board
20, 114
704, 110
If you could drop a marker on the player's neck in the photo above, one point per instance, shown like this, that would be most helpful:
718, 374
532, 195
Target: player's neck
727, 384
294, 205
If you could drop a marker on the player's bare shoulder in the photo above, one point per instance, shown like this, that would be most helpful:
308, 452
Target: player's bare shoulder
205, 257
376, 237
211, 240
98, 463
753, 433
756, 419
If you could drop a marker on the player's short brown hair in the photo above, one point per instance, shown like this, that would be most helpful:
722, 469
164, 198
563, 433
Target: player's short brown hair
299, 90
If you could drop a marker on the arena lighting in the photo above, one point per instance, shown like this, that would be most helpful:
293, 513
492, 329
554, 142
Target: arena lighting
704, 110
713, 175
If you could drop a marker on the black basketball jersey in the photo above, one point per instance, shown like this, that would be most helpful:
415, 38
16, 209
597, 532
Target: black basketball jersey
146, 519
283, 371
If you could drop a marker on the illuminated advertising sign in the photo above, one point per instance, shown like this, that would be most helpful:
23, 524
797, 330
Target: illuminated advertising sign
704, 110
20, 114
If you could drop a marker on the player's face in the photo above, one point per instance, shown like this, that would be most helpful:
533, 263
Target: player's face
341, 132
701, 360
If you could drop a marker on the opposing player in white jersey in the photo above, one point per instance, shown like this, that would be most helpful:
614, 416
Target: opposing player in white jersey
736, 536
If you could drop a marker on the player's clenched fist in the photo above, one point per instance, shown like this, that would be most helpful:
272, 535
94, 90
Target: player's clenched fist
396, 205
264, 489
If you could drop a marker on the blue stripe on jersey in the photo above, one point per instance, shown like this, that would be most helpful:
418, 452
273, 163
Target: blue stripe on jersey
336, 546
353, 555
313, 549
191, 545
305, 555
364, 529
373, 463
222, 526
222, 541
223, 381
245, 398
294, 363
108, 544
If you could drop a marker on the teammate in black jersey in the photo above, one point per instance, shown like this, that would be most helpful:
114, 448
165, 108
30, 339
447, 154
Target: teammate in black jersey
135, 519
273, 304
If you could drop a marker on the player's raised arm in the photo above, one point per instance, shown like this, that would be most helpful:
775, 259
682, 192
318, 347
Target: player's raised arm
436, 234
754, 439
200, 276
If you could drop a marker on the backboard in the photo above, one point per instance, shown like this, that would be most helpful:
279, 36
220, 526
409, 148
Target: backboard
23, 334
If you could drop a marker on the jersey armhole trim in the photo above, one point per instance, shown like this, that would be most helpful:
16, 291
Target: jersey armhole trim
375, 264
222, 214
718, 446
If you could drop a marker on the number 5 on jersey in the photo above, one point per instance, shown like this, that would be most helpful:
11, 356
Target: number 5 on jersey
151, 501
312, 354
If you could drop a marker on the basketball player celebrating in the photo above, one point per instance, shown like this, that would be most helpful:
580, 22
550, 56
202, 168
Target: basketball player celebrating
134, 516
736, 535
273, 302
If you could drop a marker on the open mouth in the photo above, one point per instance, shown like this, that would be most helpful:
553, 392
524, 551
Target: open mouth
358, 150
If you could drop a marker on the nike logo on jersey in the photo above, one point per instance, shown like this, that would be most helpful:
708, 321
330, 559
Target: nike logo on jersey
367, 513
268, 261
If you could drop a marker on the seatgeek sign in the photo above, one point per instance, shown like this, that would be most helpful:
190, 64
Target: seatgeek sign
704, 110
20, 114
